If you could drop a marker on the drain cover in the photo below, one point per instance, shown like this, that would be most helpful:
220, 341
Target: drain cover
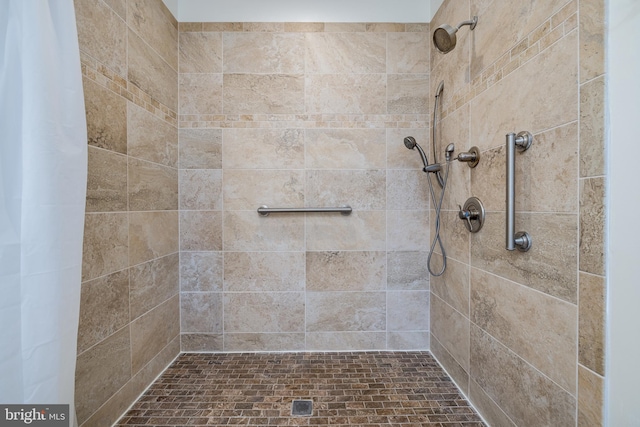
302, 407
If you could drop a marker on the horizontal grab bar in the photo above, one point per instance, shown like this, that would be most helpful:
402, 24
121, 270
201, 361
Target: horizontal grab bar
265, 210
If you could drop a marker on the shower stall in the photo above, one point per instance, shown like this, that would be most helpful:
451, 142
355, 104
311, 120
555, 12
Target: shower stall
192, 126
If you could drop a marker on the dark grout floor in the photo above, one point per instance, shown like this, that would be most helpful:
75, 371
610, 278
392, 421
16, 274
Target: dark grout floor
369, 389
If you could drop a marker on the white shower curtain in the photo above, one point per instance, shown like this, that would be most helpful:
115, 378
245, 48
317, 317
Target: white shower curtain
43, 175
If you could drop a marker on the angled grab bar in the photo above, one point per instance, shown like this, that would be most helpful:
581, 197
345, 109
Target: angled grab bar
264, 210
520, 240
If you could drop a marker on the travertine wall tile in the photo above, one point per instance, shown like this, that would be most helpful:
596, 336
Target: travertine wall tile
407, 230
407, 189
362, 190
149, 72
360, 231
200, 230
452, 330
106, 181
104, 308
200, 93
539, 328
264, 341
449, 363
346, 311
333, 53
264, 312
102, 34
592, 38
201, 271
201, 342
153, 283
408, 53
201, 189
200, 52
345, 271
592, 311
153, 331
201, 312
408, 310
152, 235
106, 117
408, 340
200, 148
248, 231
151, 138
264, 53
264, 271
263, 93
408, 93
334, 341
247, 189
592, 128
346, 93
152, 186
106, 244
263, 149
453, 285
526, 395
590, 398
487, 407
592, 225
407, 270
345, 148
155, 26
108, 364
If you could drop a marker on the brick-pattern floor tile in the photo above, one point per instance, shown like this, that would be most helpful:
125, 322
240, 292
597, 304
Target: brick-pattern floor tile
367, 389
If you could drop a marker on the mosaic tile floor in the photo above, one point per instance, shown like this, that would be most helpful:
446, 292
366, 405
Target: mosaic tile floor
369, 389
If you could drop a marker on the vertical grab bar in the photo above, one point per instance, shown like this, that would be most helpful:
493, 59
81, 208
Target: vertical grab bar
520, 240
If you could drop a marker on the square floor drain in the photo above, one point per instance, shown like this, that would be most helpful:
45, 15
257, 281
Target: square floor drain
302, 407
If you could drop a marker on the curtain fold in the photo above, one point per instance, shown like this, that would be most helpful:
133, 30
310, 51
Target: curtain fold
43, 175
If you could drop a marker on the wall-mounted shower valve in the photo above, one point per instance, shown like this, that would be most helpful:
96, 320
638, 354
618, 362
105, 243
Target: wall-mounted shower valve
473, 214
472, 157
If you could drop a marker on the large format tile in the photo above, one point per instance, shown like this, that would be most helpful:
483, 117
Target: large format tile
398, 156
453, 285
150, 138
550, 266
346, 93
360, 53
360, 189
539, 328
201, 189
106, 114
345, 271
408, 94
106, 244
201, 231
148, 71
451, 329
264, 312
408, 311
360, 231
592, 128
200, 52
264, 271
407, 189
201, 342
106, 181
107, 364
151, 187
152, 235
151, 21
406, 270
249, 189
263, 53
200, 148
263, 93
408, 230
591, 332
152, 332
590, 398
346, 311
408, 52
201, 312
200, 93
547, 101
592, 225
104, 308
102, 34
449, 363
263, 149
345, 148
592, 38
153, 283
352, 340
248, 231
201, 271
524, 394
271, 341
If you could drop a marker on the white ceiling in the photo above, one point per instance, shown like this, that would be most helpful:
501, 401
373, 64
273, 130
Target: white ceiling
303, 10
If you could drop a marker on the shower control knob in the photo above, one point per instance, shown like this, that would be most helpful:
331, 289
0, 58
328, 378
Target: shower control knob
473, 214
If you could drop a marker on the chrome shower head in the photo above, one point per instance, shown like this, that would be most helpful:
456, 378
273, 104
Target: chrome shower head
444, 37
410, 143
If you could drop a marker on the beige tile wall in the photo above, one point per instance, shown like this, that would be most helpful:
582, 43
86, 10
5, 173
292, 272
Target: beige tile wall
523, 333
129, 311
295, 114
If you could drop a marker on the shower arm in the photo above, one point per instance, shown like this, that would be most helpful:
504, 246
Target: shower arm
471, 22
